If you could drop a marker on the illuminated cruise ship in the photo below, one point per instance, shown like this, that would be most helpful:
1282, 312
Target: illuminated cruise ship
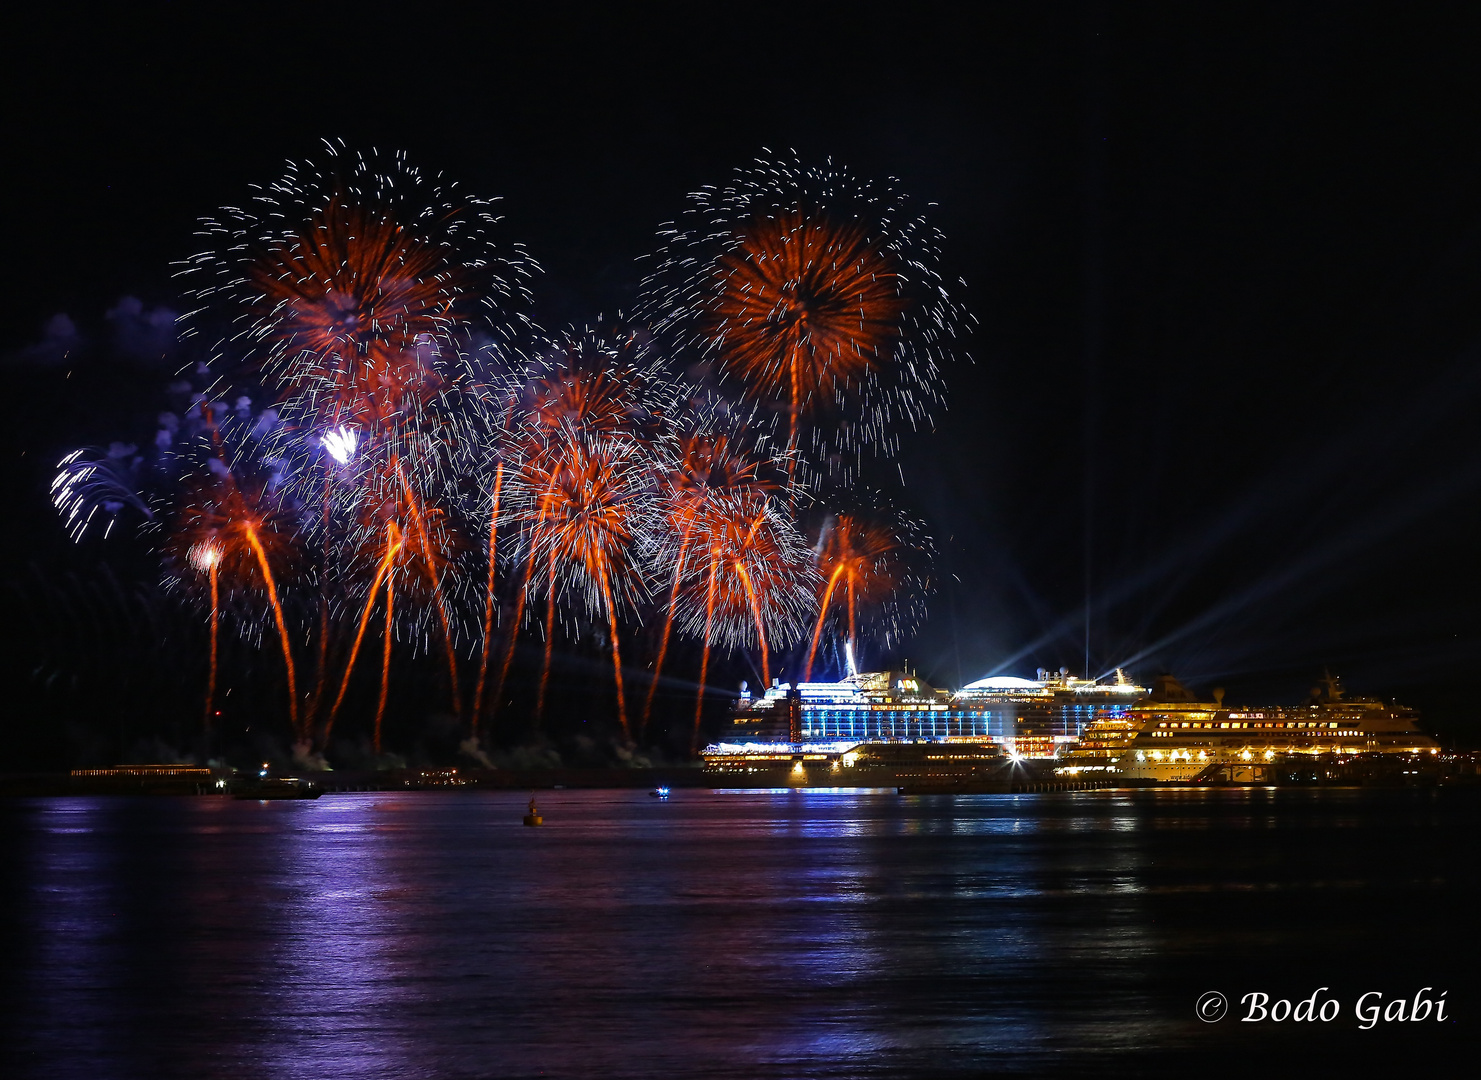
829, 721
1171, 736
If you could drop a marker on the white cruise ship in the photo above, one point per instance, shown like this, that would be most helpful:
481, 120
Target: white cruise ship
1171, 736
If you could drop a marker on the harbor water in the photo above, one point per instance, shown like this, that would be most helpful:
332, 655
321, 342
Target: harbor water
732, 933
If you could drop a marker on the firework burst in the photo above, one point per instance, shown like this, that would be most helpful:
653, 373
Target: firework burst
874, 566
235, 527
91, 487
747, 581
359, 290
712, 473
587, 512
584, 428
354, 283
820, 296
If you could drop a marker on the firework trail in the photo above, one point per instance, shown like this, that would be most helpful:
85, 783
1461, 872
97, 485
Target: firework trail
819, 295
254, 540
709, 625
494, 414
882, 559
380, 706
382, 575
411, 545
206, 557
435, 556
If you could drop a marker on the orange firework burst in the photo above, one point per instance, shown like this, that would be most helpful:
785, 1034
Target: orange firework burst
710, 465
588, 380
355, 306
587, 497
879, 559
748, 581
357, 283
819, 294
804, 309
581, 427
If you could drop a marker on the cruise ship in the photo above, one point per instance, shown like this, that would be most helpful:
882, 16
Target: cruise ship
1171, 736
872, 717
1029, 718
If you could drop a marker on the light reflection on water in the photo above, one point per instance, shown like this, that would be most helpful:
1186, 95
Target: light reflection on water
762, 933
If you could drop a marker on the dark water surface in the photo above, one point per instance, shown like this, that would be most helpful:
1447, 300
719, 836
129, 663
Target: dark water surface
730, 934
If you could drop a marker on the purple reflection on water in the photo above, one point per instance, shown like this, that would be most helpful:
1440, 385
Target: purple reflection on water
716, 934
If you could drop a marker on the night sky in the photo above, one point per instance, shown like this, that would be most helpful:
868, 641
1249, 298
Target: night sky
1225, 265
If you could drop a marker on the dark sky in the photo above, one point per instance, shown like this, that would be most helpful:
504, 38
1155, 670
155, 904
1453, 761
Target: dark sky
1225, 262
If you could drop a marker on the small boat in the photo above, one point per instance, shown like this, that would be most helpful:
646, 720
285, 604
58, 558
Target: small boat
660, 793
277, 787
533, 817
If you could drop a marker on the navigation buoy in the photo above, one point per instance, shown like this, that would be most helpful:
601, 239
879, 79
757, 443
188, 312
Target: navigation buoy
533, 817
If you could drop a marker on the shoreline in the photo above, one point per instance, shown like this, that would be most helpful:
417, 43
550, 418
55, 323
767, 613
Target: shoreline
1024, 778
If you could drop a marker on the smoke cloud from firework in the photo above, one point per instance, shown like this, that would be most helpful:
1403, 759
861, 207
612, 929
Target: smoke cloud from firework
374, 452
